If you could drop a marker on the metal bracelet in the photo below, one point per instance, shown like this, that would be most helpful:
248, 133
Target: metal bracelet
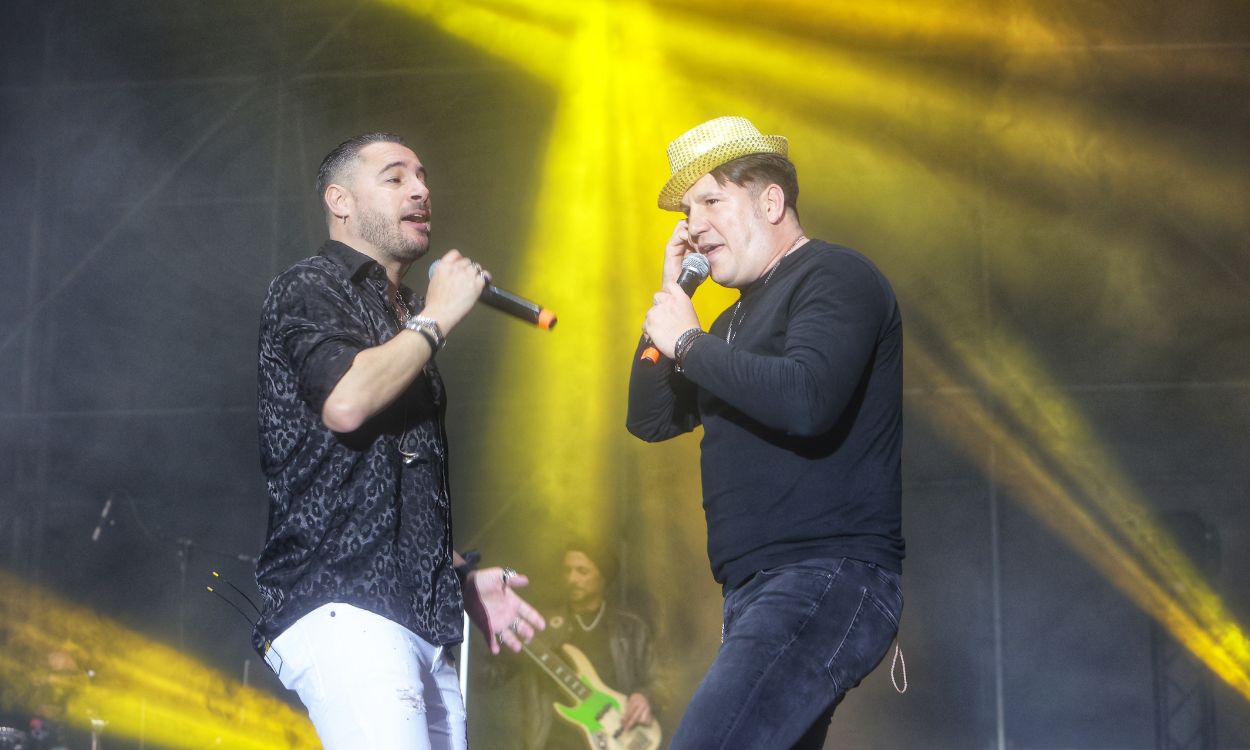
683, 344
429, 328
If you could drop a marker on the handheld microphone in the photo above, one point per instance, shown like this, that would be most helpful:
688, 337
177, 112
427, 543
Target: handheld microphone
694, 269
510, 303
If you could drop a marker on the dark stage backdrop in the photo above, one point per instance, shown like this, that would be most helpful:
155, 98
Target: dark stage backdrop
158, 163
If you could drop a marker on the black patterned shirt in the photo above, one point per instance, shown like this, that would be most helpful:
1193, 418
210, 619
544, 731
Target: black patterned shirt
350, 519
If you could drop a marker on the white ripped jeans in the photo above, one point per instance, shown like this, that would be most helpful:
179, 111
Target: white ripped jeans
368, 682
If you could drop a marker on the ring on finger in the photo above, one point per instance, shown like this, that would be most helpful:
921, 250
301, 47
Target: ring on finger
499, 638
516, 623
508, 573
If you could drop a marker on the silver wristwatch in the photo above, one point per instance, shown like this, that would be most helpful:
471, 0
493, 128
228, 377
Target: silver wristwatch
427, 327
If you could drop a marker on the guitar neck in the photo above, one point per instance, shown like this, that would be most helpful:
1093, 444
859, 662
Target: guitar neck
557, 669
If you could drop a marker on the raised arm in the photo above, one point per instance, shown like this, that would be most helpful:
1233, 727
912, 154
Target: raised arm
662, 403
379, 374
836, 318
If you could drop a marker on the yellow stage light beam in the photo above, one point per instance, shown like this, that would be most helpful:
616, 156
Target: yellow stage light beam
599, 159
590, 178
72, 665
994, 137
1038, 138
1134, 554
978, 26
1040, 412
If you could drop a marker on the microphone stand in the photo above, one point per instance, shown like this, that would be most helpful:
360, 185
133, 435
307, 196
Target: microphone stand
97, 727
184, 547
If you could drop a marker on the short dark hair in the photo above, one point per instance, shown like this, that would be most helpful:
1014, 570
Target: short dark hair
600, 554
757, 171
344, 154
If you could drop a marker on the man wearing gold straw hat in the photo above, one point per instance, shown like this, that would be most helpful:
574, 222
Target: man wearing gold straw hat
798, 387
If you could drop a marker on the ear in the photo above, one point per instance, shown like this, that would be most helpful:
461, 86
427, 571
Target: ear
338, 201
773, 200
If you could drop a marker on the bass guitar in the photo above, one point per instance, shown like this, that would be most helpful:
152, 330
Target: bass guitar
596, 708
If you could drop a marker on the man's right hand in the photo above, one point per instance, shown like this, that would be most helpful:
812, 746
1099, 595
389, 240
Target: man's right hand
454, 288
678, 247
637, 710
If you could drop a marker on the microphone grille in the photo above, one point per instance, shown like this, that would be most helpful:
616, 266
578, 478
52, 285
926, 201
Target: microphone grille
696, 263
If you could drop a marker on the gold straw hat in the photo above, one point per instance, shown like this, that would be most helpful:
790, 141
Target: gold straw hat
705, 147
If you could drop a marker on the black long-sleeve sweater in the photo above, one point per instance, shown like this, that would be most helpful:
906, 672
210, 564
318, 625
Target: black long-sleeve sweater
801, 412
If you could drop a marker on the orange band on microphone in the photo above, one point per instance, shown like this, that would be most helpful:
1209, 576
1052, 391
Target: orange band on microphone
546, 319
650, 354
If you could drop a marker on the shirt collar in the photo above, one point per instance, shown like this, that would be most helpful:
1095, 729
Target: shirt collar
359, 266
354, 262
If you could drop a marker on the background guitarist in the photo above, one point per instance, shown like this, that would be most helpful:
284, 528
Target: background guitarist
617, 642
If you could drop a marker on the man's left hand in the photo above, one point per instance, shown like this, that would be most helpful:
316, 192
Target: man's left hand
671, 315
504, 618
637, 711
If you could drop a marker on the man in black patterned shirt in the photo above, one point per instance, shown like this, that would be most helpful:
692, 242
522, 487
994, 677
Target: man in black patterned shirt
363, 593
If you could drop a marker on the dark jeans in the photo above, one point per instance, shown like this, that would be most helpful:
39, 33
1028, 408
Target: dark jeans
796, 638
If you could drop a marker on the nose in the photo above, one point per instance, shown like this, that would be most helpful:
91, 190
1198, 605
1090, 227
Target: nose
420, 191
696, 224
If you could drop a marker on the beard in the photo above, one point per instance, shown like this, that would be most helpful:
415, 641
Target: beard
385, 235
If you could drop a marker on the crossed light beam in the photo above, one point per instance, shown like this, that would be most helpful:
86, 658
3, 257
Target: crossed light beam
75, 666
950, 115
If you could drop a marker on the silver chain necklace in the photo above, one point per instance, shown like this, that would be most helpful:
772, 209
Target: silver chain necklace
400, 309
594, 622
733, 319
